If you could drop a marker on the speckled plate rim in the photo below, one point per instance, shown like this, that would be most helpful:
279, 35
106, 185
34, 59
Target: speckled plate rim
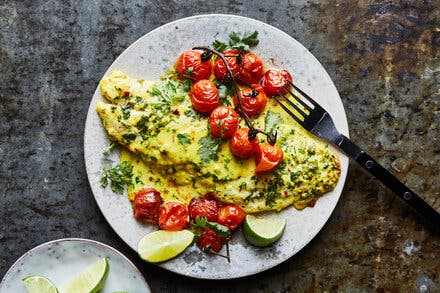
39, 247
190, 263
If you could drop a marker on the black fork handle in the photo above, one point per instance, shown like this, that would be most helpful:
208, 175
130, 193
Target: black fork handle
388, 179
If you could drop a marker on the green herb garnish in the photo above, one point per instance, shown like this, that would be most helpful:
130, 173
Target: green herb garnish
201, 223
119, 176
271, 122
249, 39
238, 41
208, 148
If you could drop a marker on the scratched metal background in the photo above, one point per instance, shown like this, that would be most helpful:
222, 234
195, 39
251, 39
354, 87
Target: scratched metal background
384, 57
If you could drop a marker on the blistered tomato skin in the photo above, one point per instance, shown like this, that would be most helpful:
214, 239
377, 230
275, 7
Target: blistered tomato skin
240, 144
204, 96
252, 105
210, 242
223, 122
231, 216
173, 216
231, 56
146, 205
203, 207
189, 64
251, 68
274, 81
268, 157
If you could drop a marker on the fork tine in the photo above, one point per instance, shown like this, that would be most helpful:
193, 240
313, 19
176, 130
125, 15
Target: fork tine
293, 115
298, 99
297, 108
306, 96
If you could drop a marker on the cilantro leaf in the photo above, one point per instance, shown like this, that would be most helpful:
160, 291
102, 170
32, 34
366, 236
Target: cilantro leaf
249, 39
200, 223
170, 89
208, 148
220, 229
183, 139
118, 176
271, 122
219, 45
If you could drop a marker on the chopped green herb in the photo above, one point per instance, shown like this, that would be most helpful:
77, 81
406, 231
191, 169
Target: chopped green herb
170, 89
125, 113
183, 139
119, 176
208, 148
129, 136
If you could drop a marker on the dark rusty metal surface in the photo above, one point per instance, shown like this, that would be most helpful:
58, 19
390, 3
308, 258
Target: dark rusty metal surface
383, 57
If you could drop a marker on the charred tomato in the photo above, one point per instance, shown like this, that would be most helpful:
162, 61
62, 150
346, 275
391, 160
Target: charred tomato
203, 207
240, 144
252, 99
223, 122
251, 68
231, 216
275, 81
189, 64
173, 216
146, 205
210, 242
268, 157
232, 57
204, 96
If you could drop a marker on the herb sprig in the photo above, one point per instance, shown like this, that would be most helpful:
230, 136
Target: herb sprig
238, 41
118, 176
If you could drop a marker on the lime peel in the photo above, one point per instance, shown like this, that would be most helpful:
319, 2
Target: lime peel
262, 232
39, 284
91, 280
163, 245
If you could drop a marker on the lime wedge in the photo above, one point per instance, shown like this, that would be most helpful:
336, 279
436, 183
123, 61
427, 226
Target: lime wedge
163, 245
39, 284
90, 280
263, 232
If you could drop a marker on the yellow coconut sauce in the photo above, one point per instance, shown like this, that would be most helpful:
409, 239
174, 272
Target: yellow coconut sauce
169, 146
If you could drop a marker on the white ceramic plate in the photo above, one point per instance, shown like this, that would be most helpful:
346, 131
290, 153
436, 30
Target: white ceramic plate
148, 58
61, 259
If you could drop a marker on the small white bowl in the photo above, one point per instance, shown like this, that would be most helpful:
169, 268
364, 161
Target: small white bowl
61, 259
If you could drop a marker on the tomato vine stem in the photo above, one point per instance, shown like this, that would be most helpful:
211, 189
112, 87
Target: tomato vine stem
207, 54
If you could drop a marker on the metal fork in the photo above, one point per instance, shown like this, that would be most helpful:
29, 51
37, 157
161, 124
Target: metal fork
315, 119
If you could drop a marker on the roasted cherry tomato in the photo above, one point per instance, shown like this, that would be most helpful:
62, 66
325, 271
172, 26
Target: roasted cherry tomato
252, 105
189, 64
232, 56
204, 96
251, 68
274, 81
223, 122
173, 216
240, 144
146, 205
210, 242
203, 207
268, 157
231, 216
